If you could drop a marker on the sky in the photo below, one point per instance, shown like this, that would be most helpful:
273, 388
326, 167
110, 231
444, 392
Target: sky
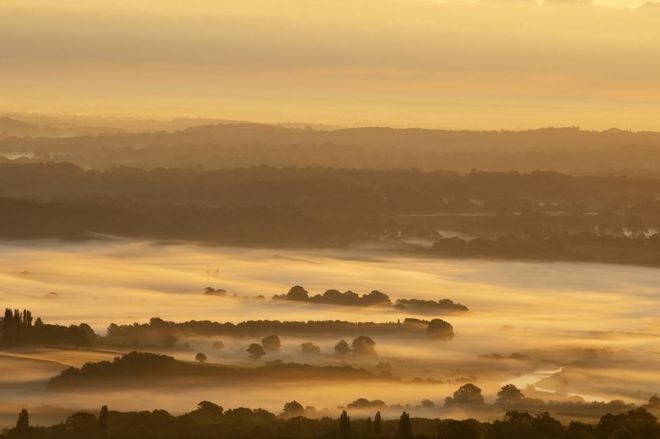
488, 64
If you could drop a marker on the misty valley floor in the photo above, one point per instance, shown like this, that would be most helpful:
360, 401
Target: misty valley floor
577, 329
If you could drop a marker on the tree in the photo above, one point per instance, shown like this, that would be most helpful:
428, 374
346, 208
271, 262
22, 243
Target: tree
342, 348
427, 404
297, 293
521, 424
310, 349
369, 426
440, 329
23, 422
81, 422
378, 425
364, 345
376, 297
344, 425
207, 409
466, 394
293, 408
103, 421
201, 357
271, 343
405, 427
255, 351
468, 429
638, 423
509, 394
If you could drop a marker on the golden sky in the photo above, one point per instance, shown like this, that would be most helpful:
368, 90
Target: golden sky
489, 64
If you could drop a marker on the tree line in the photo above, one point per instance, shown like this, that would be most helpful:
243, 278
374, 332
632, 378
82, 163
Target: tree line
210, 420
20, 329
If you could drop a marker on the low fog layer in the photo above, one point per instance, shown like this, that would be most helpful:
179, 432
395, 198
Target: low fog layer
583, 324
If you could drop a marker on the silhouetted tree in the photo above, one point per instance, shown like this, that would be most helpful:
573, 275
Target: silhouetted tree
103, 421
578, 430
310, 348
467, 429
438, 328
206, 411
378, 425
342, 348
201, 357
271, 343
521, 424
509, 394
369, 427
293, 408
23, 422
255, 351
344, 425
466, 394
635, 424
405, 427
82, 423
364, 345
297, 293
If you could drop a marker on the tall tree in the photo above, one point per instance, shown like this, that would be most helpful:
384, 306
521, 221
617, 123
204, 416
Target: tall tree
405, 427
344, 424
378, 425
103, 421
23, 423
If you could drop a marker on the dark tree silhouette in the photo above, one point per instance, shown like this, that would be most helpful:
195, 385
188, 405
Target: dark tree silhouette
509, 395
206, 411
466, 394
342, 348
654, 402
293, 408
524, 425
255, 351
310, 348
23, 422
201, 357
103, 421
81, 422
405, 427
427, 404
378, 425
271, 343
344, 425
467, 429
297, 293
364, 345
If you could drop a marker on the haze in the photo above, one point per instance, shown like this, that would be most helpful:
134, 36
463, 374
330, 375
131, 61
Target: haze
483, 65
346, 219
555, 311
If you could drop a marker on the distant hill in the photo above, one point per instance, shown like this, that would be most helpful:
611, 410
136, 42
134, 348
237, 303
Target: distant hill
230, 145
15, 127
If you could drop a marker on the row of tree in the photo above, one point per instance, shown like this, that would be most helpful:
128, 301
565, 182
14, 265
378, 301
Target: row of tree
209, 420
18, 328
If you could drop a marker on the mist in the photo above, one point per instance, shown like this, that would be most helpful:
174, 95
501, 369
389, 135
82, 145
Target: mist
581, 320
